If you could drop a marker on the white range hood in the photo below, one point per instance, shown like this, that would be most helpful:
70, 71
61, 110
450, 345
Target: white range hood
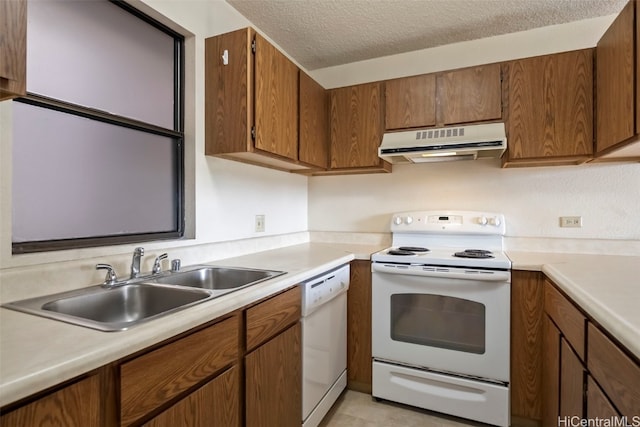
485, 141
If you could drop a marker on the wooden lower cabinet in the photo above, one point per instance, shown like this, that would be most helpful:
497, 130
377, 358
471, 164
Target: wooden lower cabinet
154, 379
214, 404
571, 382
598, 405
76, 405
601, 384
273, 381
359, 327
550, 373
526, 344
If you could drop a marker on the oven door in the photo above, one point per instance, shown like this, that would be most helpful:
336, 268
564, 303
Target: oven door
446, 324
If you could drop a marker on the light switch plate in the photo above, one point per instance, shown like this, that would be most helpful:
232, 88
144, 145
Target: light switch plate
260, 226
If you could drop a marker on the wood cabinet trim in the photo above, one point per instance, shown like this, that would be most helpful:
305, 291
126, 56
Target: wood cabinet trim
270, 317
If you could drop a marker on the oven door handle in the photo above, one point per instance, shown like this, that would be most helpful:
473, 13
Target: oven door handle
443, 272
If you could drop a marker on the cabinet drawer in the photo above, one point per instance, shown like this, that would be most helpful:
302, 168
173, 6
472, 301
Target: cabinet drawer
568, 318
617, 373
152, 379
272, 316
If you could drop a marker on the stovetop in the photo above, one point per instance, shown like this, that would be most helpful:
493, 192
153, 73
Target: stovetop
449, 238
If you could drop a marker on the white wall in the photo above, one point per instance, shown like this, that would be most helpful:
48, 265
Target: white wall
223, 197
607, 196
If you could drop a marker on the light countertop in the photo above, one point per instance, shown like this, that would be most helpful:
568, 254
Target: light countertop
607, 287
36, 353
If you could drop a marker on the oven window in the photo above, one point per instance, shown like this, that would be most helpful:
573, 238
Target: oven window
438, 321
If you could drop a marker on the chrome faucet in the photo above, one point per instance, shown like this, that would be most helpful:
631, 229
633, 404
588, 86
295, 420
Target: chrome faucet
135, 262
110, 279
157, 265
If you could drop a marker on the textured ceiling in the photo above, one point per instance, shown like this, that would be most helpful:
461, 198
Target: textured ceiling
323, 33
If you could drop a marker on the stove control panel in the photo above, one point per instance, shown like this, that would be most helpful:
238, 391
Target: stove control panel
460, 222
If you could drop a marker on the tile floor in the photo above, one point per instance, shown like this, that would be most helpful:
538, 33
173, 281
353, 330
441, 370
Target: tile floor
355, 409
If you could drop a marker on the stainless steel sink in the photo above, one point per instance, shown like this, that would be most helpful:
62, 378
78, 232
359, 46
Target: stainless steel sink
113, 309
216, 278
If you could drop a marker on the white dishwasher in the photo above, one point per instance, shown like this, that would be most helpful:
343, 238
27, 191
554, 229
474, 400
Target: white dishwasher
324, 343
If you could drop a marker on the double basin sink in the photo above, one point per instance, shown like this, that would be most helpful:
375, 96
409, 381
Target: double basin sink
118, 307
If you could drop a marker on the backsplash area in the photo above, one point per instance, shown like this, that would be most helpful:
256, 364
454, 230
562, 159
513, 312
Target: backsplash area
606, 196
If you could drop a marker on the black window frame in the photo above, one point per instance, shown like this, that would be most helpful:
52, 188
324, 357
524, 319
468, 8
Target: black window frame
176, 134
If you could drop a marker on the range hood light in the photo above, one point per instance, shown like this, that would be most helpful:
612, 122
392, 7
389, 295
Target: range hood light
442, 154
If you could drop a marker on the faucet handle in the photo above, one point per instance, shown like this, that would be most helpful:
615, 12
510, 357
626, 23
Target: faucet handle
157, 266
111, 278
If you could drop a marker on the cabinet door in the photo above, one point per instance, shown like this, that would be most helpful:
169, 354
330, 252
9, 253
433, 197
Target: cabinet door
527, 311
617, 373
276, 101
228, 97
13, 48
77, 405
615, 107
359, 327
273, 382
550, 103
470, 95
314, 123
357, 123
550, 372
214, 404
571, 382
597, 403
410, 102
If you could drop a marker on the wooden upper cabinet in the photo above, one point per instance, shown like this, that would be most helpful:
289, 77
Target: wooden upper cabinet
549, 111
357, 125
616, 74
228, 99
410, 102
13, 48
314, 122
470, 95
276, 101
453, 97
251, 102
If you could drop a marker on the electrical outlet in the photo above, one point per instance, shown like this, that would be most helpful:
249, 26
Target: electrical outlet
260, 223
570, 221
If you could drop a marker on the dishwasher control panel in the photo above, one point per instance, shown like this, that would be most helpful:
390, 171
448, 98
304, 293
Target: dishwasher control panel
323, 288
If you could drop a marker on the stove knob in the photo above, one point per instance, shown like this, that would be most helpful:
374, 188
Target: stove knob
408, 220
397, 220
482, 220
494, 221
